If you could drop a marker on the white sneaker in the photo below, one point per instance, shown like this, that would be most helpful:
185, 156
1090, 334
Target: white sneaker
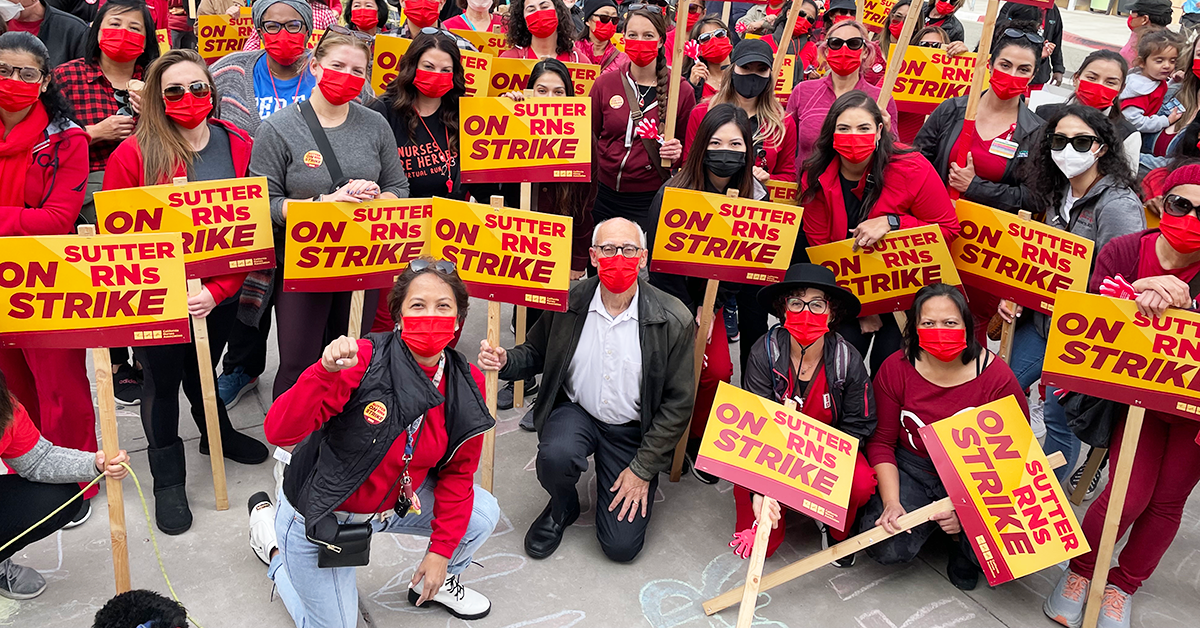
460, 601
262, 526
1037, 412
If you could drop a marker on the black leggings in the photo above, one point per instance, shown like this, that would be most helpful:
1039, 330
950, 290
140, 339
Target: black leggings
887, 340
248, 345
307, 321
24, 503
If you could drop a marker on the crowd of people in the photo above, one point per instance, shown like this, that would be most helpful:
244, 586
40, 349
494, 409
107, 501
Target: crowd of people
384, 433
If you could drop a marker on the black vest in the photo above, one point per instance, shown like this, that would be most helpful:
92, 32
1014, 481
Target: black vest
334, 461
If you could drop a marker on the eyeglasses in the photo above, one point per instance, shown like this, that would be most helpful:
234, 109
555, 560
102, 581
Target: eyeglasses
854, 43
607, 19
928, 44
439, 266
1016, 33
1081, 143
342, 30
609, 250
1178, 206
174, 93
816, 306
25, 75
293, 27
720, 32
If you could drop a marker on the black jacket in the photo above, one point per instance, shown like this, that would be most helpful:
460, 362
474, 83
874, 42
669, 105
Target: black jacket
334, 461
952, 25
668, 336
852, 400
64, 34
936, 141
81, 9
1052, 31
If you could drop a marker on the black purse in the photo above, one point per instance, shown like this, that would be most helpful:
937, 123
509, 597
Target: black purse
1092, 419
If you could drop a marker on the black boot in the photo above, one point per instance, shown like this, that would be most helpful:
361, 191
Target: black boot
235, 445
962, 571
171, 511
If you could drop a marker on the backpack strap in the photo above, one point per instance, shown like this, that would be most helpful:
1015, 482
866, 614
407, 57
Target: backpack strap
635, 112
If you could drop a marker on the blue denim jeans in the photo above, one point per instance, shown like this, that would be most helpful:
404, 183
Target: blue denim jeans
328, 598
1029, 351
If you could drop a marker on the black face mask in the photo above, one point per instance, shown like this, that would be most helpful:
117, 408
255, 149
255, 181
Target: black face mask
724, 163
749, 85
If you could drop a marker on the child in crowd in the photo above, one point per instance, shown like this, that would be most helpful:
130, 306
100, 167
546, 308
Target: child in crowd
138, 608
1146, 88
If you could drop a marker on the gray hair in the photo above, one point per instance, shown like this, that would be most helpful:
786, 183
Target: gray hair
596, 231
301, 6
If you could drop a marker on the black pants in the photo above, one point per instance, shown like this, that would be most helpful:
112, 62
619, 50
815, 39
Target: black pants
248, 345
568, 437
752, 320
634, 206
167, 367
24, 503
887, 340
307, 322
119, 355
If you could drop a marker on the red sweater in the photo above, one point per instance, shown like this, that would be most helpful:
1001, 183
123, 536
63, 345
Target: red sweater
781, 160
911, 190
54, 185
126, 170
20, 436
320, 395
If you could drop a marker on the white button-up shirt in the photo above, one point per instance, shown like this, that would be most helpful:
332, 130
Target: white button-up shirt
605, 374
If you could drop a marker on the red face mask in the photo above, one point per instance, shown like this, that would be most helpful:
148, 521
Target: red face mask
1129, 22
692, 18
1182, 233
284, 47
122, 45
1007, 86
841, 18
854, 147
641, 52
1095, 95
421, 13
433, 84
618, 273
364, 19
844, 61
716, 49
943, 343
895, 27
806, 327
603, 31
17, 95
427, 336
340, 88
802, 27
189, 112
542, 23
943, 8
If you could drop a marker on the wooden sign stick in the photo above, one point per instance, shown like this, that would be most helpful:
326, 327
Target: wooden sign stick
981, 59
897, 53
781, 50
522, 312
851, 545
107, 404
208, 388
859, 9
1008, 329
487, 460
1090, 469
356, 314
706, 319
725, 12
676, 51
1112, 518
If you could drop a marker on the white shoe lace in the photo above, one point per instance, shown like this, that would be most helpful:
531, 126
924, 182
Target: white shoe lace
455, 588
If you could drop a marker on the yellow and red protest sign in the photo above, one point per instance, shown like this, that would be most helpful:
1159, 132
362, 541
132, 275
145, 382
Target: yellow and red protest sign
728, 239
336, 247
315, 38
1103, 347
887, 275
1007, 499
541, 139
486, 42
221, 35
512, 75
929, 76
1024, 261
507, 255
226, 224
74, 292
786, 81
163, 37
390, 48
875, 13
782, 191
781, 453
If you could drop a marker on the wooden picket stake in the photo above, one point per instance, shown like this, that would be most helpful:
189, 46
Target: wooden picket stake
897, 53
681, 11
1007, 331
981, 60
706, 318
725, 12
356, 314
851, 545
1090, 469
107, 405
859, 9
781, 49
522, 312
487, 460
1112, 518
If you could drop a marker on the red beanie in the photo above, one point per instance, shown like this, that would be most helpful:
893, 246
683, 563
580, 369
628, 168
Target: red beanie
1186, 175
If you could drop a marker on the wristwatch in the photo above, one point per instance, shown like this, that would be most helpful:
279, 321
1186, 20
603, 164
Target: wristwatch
893, 222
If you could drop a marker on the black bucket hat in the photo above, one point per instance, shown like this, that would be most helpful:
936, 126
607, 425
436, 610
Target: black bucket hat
801, 276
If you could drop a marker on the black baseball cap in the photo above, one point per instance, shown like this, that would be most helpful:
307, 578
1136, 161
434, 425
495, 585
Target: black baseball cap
750, 51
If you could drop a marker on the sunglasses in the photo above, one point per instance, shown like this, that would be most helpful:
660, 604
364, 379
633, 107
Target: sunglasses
293, 27
696, 8
1016, 33
1081, 143
854, 43
342, 30
928, 44
706, 37
1178, 206
175, 93
439, 266
607, 19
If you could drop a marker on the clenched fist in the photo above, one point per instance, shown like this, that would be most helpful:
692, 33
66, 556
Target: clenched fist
341, 354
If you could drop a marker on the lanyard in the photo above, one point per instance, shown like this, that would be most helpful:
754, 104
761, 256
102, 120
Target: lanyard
295, 97
410, 443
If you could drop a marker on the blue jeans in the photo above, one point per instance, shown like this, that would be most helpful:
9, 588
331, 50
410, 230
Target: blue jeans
1029, 351
328, 598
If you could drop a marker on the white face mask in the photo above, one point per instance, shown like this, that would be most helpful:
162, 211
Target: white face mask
9, 10
480, 5
1071, 162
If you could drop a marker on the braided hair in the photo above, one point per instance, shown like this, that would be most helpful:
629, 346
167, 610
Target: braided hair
662, 72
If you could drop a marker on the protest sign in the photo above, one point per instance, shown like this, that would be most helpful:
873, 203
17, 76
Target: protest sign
543, 139
1102, 346
336, 247
226, 223
929, 76
484, 41
782, 191
220, 35
779, 452
887, 275
875, 13
315, 38
722, 238
1007, 499
785, 80
506, 255
1019, 260
60, 292
512, 75
163, 37
390, 48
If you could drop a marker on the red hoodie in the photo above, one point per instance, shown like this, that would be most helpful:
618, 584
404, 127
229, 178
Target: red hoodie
54, 184
126, 170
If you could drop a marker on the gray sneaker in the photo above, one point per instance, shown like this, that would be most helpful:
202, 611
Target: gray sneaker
1116, 609
20, 583
1065, 603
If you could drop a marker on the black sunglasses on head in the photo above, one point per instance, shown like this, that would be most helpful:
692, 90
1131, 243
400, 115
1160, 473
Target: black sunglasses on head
1178, 206
1081, 143
854, 43
1016, 33
439, 266
720, 32
342, 30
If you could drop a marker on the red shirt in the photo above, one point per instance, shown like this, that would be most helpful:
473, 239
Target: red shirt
988, 166
54, 184
320, 395
780, 160
25, 27
21, 435
1149, 266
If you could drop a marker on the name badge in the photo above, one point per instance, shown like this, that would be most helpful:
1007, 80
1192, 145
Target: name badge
1003, 148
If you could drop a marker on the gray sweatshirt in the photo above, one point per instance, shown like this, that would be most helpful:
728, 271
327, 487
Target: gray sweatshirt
48, 464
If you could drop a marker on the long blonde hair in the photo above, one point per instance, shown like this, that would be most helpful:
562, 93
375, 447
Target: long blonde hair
162, 145
767, 109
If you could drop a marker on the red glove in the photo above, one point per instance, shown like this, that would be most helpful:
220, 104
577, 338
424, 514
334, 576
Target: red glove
692, 49
739, 28
743, 542
648, 129
1117, 287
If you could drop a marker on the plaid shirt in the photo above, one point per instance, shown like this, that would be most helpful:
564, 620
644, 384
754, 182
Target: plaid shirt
91, 95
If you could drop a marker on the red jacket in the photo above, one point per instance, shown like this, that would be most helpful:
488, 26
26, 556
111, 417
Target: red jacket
780, 160
125, 170
54, 184
911, 190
